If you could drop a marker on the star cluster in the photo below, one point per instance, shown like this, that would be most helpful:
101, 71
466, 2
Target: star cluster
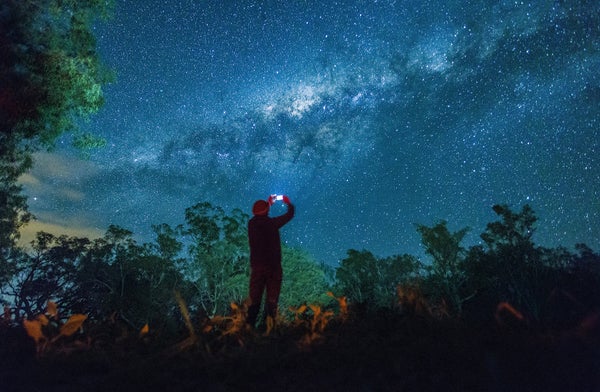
372, 116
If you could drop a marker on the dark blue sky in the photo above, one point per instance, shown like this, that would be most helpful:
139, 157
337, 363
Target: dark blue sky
371, 115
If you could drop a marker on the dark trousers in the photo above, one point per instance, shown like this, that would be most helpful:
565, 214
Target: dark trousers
261, 279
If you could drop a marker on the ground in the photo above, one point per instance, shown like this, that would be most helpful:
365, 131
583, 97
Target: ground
371, 351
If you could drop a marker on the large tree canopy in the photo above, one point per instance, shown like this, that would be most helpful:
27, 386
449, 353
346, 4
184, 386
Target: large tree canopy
50, 76
50, 70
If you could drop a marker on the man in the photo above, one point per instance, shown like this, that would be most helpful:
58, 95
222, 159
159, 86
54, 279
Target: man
265, 257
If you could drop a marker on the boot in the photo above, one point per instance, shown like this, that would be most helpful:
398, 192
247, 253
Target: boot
252, 315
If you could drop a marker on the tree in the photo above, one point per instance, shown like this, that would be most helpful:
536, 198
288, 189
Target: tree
14, 161
134, 282
166, 244
512, 268
372, 281
304, 281
356, 276
49, 273
584, 269
446, 280
156, 280
50, 76
51, 72
219, 256
108, 273
515, 230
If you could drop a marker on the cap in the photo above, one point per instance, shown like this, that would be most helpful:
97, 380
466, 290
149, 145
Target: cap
260, 207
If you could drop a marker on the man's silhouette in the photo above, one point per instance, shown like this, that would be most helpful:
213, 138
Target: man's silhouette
265, 257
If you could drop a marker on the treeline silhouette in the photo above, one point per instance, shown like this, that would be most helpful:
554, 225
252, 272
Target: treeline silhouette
504, 315
206, 261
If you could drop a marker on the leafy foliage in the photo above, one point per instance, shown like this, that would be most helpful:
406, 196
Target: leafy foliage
50, 70
121, 277
50, 271
446, 279
513, 268
372, 281
206, 260
15, 159
50, 76
304, 281
47, 328
218, 254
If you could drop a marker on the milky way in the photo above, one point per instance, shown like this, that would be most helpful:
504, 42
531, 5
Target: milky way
372, 116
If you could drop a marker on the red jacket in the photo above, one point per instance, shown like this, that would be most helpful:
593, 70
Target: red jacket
264, 239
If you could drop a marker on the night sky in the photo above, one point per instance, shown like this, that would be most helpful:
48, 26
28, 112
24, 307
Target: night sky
371, 115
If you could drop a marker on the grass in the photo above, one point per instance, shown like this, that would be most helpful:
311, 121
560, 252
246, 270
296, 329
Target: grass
320, 350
